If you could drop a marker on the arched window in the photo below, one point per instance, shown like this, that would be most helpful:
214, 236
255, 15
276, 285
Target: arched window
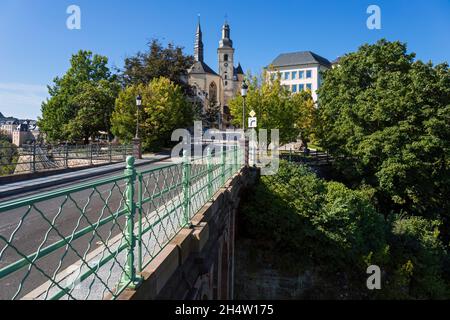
213, 92
225, 57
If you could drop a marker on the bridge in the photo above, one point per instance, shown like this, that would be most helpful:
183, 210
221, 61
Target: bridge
165, 232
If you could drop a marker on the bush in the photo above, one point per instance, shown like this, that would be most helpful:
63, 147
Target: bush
419, 261
8, 158
339, 231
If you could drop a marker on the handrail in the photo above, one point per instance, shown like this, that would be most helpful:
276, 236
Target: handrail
92, 240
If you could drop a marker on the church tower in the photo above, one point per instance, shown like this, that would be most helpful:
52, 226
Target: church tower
226, 63
198, 48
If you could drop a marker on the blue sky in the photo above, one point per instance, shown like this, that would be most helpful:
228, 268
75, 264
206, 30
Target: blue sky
35, 45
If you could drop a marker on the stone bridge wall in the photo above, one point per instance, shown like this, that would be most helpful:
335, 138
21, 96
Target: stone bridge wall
199, 263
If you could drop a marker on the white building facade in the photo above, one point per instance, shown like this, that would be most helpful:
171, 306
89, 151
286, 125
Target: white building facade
299, 71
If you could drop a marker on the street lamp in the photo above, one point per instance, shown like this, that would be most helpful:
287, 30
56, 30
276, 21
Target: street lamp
137, 147
138, 105
244, 91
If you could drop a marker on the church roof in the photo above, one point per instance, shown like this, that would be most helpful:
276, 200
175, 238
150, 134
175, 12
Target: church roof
299, 58
200, 67
239, 70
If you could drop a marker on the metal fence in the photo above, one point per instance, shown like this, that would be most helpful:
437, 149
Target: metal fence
92, 241
316, 158
38, 158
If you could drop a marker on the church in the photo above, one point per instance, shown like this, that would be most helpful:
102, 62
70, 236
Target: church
211, 88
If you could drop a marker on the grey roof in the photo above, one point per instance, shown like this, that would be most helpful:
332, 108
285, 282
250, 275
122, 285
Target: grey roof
300, 58
238, 70
200, 67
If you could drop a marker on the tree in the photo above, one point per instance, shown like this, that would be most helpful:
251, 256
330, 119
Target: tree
276, 108
8, 155
165, 109
169, 62
211, 115
81, 101
95, 103
387, 116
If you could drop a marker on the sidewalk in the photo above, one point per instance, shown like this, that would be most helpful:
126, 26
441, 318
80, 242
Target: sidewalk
15, 188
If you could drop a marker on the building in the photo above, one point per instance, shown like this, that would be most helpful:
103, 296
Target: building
300, 71
24, 134
211, 88
8, 127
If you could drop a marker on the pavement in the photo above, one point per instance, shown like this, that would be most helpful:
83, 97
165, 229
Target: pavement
27, 187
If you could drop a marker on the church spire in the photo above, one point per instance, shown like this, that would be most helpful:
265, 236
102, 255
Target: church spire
226, 38
198, 49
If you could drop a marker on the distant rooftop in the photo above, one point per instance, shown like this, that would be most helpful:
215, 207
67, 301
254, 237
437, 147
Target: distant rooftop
300, 58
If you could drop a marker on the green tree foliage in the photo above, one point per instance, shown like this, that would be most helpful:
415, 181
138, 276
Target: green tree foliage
211, 116
95, 103
164, 109
387, 115
8, 155
276, 108
338, 231
159, 61
81, 101
419, 262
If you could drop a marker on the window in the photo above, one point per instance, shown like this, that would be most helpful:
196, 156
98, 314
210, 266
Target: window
286, 76
309, 86
225, 57
226, 83
213, 92
308, 74
301, 87
226, 77
294, 75
302, 74
294, 88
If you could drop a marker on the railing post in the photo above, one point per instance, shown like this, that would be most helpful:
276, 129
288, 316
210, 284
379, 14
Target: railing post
66, 156
91, 155
139, 237
210, 172
129, 277
290, 154
223, 165
110, 153
186, 188
236, 164
33, 161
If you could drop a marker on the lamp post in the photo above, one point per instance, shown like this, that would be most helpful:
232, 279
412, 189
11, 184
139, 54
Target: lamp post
137, 147
244, 91
138, 105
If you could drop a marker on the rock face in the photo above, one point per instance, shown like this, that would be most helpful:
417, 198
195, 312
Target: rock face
257, 278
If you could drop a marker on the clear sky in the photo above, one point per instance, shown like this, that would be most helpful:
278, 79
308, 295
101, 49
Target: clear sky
35, 44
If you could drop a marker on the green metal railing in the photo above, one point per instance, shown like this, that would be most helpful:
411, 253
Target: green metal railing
93, 240
40, 158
